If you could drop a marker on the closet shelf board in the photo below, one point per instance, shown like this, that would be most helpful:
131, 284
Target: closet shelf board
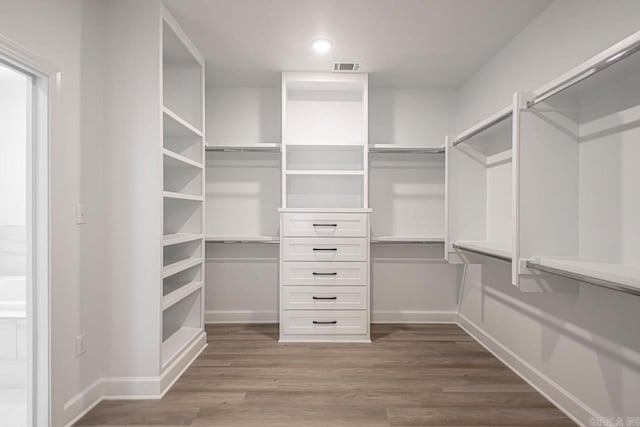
175, 239
180, 294
175, 127
333, 144
175, 160
621, 277
242, 239
174, 344
182, 196
396, 148
324, 210
258, 147
177, 267
407, 239
326, 172
481, 247
485, 124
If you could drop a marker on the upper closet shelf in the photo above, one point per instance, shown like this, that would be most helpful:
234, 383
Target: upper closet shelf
491, 249
325, 172
578, 80
328, 142
396, 148
175, 127
258, 147
175, 160
407, 239
484, 125
324, 210
182, 196
242, 239
619, 277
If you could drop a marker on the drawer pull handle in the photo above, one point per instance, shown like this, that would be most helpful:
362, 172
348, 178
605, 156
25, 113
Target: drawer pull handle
325, 249
326, 298
330, 322
325, 274
325, 225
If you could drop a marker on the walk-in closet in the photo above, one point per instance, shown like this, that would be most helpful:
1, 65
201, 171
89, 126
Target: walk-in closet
329, 213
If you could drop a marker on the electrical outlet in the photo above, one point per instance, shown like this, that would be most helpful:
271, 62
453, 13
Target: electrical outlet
80, 345
81, 214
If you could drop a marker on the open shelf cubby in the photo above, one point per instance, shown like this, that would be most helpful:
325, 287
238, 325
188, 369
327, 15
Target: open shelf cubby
242, 194
324, 191
579, 218
181, 79
479, 194
181, 323
407, 195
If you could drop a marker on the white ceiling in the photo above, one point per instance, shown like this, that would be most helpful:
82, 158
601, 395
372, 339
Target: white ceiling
401, 43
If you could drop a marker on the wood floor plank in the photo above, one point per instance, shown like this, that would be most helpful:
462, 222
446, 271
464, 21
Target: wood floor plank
410, 375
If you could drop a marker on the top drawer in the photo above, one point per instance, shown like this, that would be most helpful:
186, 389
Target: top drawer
324, 224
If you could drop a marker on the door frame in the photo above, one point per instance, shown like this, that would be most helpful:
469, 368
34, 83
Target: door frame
45, 82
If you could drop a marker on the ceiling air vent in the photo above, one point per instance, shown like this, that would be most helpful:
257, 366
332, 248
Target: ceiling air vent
346, 67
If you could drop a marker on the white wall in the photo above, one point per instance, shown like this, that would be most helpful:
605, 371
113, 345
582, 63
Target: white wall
59, 32
582, 340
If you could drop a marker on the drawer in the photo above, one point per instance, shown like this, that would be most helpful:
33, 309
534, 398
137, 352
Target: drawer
318, 322
324, 225
324, 297
325, 273
324, 249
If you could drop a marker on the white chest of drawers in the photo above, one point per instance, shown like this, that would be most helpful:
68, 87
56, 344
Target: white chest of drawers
324, 277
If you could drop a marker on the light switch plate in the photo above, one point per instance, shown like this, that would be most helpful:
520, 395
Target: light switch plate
80, 345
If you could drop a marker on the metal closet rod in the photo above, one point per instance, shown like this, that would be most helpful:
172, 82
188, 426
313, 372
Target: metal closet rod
482, 128
605, 63
582, 278
476, 251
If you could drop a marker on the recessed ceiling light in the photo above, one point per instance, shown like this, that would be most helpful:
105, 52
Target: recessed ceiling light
322, 45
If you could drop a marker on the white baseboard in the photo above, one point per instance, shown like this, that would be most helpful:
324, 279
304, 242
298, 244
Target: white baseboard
240, 316
131, 388
573, 407
384, 316
413, 316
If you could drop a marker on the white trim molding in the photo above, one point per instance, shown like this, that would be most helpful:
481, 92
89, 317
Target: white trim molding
131, 388
413, 316
240, 316
569, 404
379, 316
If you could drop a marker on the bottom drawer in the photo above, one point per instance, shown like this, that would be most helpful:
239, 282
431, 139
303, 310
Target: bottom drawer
314, 322
324, 297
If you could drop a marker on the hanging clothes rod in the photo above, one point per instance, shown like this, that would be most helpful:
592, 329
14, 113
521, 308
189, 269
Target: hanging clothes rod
500, 116
587, 279
479, 252
601, 62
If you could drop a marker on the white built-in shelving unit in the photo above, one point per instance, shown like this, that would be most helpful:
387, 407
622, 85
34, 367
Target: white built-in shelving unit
577, 178
182, 110
324, 217
479, 193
